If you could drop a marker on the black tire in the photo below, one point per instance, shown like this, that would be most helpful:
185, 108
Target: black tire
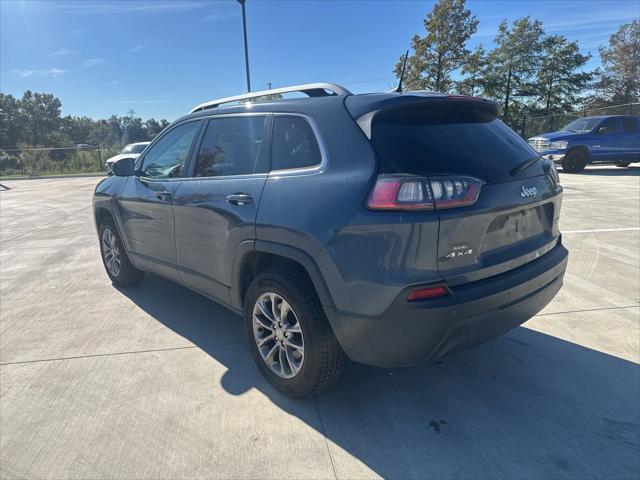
574, 161
127, 274
623, 164
323, 358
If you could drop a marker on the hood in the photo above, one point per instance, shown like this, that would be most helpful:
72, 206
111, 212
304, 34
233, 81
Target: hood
559, 135
120, 156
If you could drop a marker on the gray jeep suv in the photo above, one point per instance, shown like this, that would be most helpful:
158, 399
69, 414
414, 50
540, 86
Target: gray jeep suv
390, 228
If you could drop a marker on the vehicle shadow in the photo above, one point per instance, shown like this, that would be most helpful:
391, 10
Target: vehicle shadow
630, 171
526, 405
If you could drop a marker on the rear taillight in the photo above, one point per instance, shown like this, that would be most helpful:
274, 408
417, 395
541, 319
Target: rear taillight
403, 192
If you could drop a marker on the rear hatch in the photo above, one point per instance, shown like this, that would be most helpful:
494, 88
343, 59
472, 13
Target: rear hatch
515, 217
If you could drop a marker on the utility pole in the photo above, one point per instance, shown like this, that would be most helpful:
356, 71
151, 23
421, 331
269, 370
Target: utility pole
269, 85
246, 48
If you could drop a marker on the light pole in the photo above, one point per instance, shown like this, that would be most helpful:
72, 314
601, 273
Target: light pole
246, 48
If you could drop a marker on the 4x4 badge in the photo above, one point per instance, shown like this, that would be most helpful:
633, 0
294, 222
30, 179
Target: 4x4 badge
528, 192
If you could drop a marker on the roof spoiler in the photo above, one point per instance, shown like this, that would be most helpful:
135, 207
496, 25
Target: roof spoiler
365, 117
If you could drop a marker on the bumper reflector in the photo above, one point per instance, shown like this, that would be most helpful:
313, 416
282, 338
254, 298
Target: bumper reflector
424, 293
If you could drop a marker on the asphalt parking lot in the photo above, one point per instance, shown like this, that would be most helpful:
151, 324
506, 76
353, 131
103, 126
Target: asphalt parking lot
157, 382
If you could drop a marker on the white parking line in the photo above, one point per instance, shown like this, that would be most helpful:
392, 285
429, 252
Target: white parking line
598, 199
632, 229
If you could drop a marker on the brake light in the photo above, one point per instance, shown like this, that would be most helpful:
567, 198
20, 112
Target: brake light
404, 192
425, 293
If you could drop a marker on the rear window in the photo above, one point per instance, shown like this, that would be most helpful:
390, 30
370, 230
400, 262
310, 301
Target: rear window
443, 141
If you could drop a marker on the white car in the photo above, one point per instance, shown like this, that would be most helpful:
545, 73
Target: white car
132, 150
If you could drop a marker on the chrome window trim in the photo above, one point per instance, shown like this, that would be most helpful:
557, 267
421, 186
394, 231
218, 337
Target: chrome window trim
320, 167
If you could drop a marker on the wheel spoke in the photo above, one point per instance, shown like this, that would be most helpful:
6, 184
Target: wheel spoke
282, 358
284, 309
264, 340
264, 311
274, 311
263, 323
292, 363
288, 342
292, 328
269, 356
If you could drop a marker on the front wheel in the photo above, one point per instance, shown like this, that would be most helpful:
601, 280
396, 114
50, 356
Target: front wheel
623, 164
289, 335
114, 257
574, 161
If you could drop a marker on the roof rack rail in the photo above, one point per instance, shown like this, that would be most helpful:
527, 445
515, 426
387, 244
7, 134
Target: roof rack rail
311, 89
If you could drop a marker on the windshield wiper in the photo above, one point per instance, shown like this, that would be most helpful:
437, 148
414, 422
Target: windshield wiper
522, 166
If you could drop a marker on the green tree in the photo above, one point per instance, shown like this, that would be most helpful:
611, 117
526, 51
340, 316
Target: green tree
473, 68
620, 79
41, 112
512, 65
133, 130
442, 50
560, 80
11, 121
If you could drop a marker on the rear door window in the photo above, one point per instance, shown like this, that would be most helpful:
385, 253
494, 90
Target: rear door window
630, 125
440, 141
294, 144
233, 146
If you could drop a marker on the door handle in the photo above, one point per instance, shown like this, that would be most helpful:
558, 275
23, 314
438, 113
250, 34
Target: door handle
164, 195
239, 198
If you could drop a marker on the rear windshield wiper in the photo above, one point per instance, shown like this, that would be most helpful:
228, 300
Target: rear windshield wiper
522, 166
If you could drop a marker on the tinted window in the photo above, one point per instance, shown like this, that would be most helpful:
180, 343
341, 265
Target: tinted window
611, 124
294, 144
630, 125
167, 157
233, 146
581, 125
447, 141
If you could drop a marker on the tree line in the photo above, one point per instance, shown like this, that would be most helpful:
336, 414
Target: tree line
33, 123
529, 72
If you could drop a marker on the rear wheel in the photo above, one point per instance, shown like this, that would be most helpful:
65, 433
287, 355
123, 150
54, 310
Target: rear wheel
114, 257
289, 335
574, 161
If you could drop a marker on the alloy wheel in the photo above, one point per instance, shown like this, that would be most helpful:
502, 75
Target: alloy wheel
278, 335
111, 252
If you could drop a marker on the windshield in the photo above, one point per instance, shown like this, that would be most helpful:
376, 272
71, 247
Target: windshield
581, 125
133, 148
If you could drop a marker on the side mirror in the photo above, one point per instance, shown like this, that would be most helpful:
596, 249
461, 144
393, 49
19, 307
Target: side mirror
603, 130
125, 167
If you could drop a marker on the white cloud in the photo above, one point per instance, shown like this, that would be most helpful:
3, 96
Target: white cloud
114, 82
51, 72
90, 62
217, 17
137, 48
61, 53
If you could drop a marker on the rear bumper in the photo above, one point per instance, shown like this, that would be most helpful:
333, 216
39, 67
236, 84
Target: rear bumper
411, 333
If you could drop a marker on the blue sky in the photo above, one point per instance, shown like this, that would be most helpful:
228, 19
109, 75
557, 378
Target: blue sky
161, 58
